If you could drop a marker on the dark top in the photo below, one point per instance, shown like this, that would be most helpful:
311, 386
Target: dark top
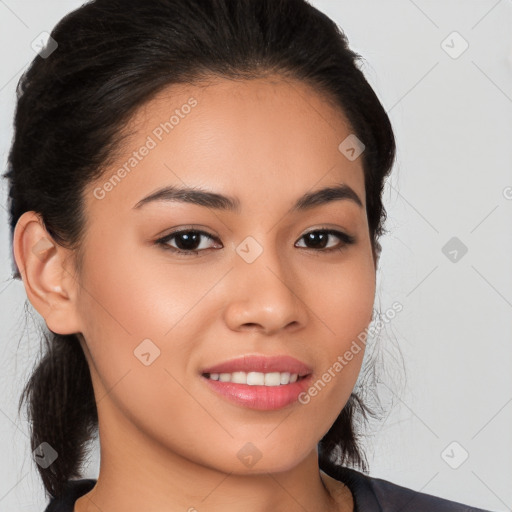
370, 494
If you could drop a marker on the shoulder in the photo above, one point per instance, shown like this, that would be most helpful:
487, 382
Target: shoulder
73, 489
392, 496
371, 494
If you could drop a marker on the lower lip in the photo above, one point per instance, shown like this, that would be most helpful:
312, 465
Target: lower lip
263, 398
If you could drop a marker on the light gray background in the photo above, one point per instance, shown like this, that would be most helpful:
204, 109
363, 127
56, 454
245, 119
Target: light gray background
453, 123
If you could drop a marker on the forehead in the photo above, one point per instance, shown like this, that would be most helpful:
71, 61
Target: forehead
254, 135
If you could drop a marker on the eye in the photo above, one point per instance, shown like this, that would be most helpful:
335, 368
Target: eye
187, 240
320, 237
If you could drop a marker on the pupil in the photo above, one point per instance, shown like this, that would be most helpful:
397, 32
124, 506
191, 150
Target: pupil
190, 241
312, 236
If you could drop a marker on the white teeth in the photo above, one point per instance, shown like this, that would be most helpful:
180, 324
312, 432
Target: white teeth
256, 378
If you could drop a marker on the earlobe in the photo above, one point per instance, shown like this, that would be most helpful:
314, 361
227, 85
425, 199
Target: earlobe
49, 285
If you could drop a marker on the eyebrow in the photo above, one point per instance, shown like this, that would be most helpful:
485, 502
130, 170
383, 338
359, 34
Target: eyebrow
198, 196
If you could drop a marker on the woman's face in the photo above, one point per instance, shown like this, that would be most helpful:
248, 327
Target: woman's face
153, 319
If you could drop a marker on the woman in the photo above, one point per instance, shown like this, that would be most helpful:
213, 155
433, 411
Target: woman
195, 201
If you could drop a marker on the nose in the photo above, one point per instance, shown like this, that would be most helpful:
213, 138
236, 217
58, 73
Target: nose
265, 296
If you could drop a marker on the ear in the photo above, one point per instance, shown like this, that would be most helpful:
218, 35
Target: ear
49, 284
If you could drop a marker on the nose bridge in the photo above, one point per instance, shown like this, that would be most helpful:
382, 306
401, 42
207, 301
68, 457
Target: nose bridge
264, 289
259, 258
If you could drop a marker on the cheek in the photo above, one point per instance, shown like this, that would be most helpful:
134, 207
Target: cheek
342, 295
351, 302
138, 295
133, 316
131, 308
333, 383
343, 304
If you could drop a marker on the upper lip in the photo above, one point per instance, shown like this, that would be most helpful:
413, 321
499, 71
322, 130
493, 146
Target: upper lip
260, 363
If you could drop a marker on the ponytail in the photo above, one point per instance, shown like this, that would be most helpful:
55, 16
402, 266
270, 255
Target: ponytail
61, 410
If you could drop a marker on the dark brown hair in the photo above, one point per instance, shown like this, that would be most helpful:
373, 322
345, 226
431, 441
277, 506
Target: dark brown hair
112, 57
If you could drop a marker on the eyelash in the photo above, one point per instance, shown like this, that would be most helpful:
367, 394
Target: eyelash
344, 237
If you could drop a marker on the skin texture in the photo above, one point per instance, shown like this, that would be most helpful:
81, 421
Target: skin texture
167, 441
